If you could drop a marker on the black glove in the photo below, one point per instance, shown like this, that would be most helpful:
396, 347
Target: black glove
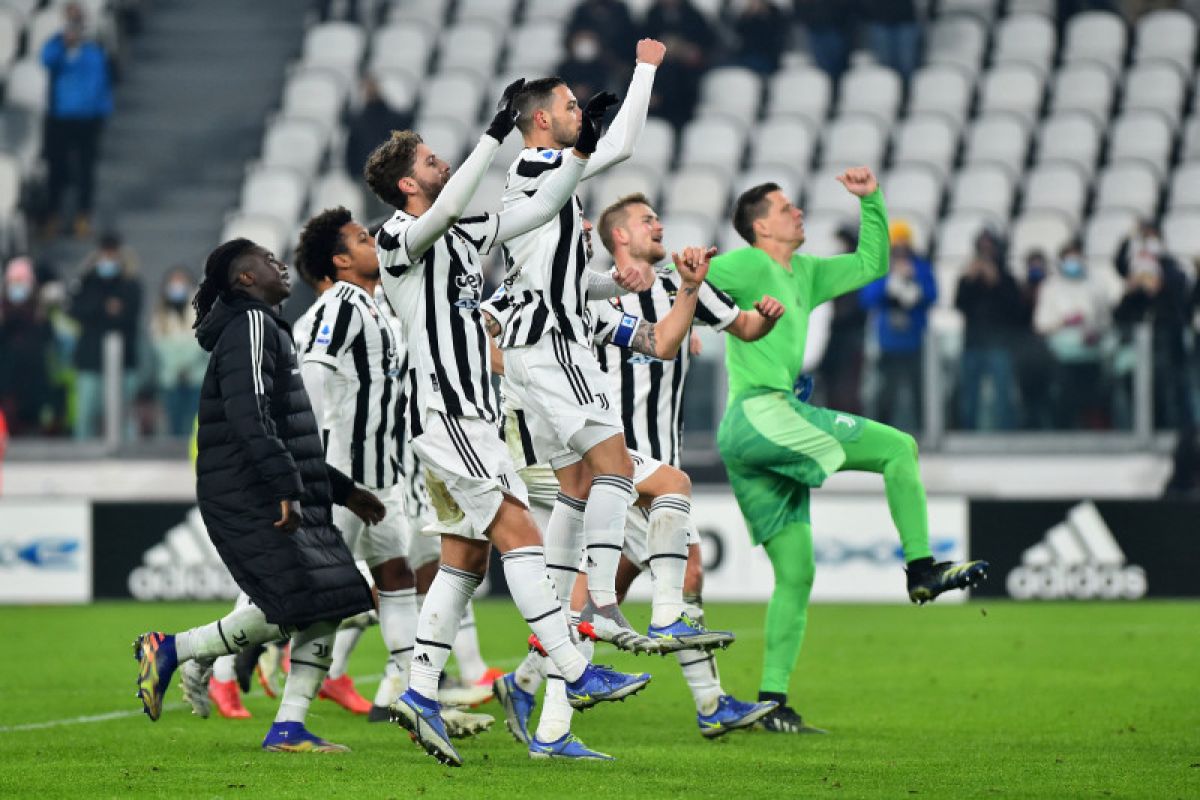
593, 121
506, 115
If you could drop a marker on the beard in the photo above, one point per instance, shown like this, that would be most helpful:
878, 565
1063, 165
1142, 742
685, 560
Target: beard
564, 135
432, 189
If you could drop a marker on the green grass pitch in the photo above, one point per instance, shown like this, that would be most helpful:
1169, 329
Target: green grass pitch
996, 700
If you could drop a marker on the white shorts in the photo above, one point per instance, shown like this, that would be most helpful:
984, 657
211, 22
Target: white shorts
563, 389
422, 549
467, 473
636, 528
376, 544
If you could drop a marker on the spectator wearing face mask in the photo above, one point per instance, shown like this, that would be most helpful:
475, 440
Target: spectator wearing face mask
26, 353
107, 299
611, 22
1074, 314
180, 361
585, 70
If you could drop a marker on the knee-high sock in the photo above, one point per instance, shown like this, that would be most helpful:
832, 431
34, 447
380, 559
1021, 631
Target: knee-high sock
700, 672
312, 652
436, 626
555, 719
344, 642
604, 532
531, 672
667, 548
533, 593
398, 626
564, 545
471, 665
234, 632
791, 555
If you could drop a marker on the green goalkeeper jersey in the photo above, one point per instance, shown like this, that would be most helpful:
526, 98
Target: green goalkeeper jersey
776, 360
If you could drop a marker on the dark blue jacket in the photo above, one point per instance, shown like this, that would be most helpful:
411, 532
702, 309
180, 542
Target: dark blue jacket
80, 86
900, 330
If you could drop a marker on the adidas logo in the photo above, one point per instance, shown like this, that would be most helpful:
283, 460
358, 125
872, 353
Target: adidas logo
183, 566
1078, 558
423, 659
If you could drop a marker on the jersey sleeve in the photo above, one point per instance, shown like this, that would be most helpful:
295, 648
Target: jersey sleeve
715, 308
340, 325
732, 274
392, 247
611, 325
833, 277
481, 230
499, 306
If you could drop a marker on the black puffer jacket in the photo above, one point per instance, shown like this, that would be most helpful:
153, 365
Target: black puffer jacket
257, 445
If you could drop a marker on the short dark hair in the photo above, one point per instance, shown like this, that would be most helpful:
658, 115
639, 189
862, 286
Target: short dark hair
388, 163
751, 205
321, 240
615, 215
533, 96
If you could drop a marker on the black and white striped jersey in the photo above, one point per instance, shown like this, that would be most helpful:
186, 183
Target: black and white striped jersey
437, 302
349, 333
650, 390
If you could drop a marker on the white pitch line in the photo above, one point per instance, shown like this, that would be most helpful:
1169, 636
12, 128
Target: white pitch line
57, 723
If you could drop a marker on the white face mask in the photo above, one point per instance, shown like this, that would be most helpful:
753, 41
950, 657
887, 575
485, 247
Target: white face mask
107, 268
585, 49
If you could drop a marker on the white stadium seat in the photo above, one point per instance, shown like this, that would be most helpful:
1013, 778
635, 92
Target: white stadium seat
732, 90
263, 230
656, 147
1130, 186
789, 140
687, 230
401, 46
998, 139
457, 95
335, 45
1141, 135
1096, 36
825, 195
10, 36
1185, 187
27, 85
1047, 8
43, 26
1181, 233
1070, 137
1041, 230
1026, 39
317, 94
497, 13
276, 192
983, 9
713, 141
611, 186
929, 139
913, 191
985, 188
703, 192
872, 90
398, 88
957, 233
805, 91
1086, 87
1106, 229
548, 10
788, 177
1155, 86
337, 188
473, 46
1166, 34
445, 136
853, 141
944, 88
431, 13
957, 39
1012, 88
535, 48
295, 143
1059, 187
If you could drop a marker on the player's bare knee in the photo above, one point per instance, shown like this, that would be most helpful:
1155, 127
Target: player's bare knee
393, 575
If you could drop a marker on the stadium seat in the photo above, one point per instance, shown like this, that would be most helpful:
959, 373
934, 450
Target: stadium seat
276, 192
496, 13
295, 143
1155, 86
335, 45
337, 188
957, 39
687, 230
1039, 230
1185, 187
957, 233
853, 141
611, 186
913, 191
1129, 185
825, 195
42, 26
1098, 36
21, 136
1028, 39
23, 9
1047, 8
488, 198
986, 188
1071, 137
699, 191
941, 88
1012, 88
472, 46
732, 90
998, 139
547, 10
787, 176
1084, 87
712, 141
1181, 233
1166, 34
10, 36
789, 140
804, 91
1189, 149
728, 238
446, 137
535, 48
930, 139
1106, 229
984, 9
397, 87
457, 95
27, 86
820, 232
872, 90
1144, 135
431, 13
656, 147
1059, 187
400, 46
261, 229
317, 94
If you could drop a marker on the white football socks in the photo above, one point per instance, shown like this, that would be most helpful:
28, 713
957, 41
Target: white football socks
224, 669
700, 672
533, 592
398, 626
437, 625
471, 665
604, 532
531, 672
667, 548
344, 642
564, 545
311, 655
556, 716
237, 630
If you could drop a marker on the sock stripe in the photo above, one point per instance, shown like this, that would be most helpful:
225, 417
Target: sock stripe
523, 553
570, 502
666, 555
309, 664
617, 481
562, 568
555, 678
402, 650
429, 643
697, 661
541, 617
461, 573
602, 546
224, 641
397, 592
670, 504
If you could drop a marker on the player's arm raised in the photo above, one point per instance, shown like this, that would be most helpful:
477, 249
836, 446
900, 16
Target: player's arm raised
841, 274
752, 325
663, 339
617, 145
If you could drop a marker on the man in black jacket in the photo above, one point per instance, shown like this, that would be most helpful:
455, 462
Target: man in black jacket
264, 491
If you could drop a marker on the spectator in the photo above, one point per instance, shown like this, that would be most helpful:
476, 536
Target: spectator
80, 102
893, 33
690, 42
762, 30
840, 372
26, 353
1034, 365
180, 361
371, 124
830, 28
585, 70
1074, 314
1156, 291
899, 306
990, 303
609, 20
107, 299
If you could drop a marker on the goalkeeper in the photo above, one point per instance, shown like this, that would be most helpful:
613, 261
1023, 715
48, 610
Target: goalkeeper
777, 448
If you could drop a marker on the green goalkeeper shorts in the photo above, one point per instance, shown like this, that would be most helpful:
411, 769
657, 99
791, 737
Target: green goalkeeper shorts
776, 449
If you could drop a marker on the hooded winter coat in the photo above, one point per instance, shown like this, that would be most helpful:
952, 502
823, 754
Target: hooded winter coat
258, 444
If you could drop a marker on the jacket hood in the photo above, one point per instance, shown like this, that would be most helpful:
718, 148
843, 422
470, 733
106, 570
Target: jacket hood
224, 311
